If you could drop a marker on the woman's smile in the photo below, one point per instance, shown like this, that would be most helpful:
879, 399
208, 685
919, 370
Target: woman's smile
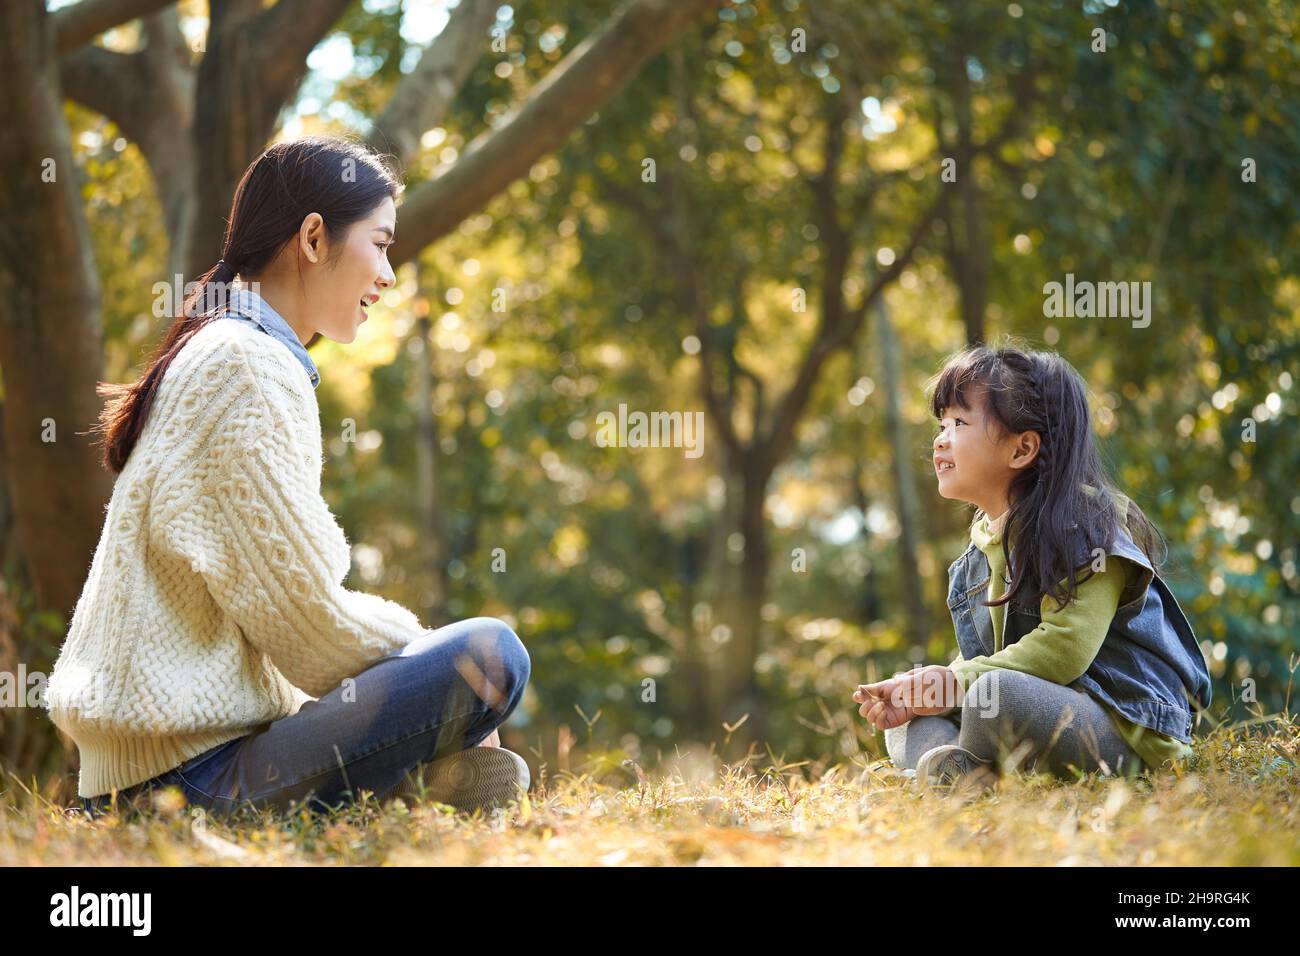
365, 303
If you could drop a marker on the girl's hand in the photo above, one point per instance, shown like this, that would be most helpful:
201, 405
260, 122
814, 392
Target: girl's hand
929, 691
881, 704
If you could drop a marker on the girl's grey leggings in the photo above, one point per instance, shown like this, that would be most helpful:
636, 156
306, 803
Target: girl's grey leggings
1019, 721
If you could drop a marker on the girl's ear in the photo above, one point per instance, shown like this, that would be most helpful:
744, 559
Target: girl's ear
1025, 451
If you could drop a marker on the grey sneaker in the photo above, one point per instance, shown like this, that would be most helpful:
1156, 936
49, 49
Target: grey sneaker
954, 769
487, 777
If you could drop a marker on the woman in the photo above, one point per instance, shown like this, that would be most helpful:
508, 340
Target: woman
214, 612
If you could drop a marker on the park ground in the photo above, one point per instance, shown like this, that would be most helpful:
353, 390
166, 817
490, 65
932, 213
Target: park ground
1231, 804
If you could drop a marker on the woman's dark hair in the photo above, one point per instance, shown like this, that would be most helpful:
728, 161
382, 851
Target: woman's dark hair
342, 180
1062, 504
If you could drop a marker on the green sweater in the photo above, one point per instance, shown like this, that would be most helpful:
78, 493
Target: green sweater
1062, 647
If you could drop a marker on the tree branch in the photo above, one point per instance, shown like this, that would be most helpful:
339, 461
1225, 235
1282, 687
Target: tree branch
1023, 96
109, 83
832, 336
662, 224
282, 37
149, 95
739, 320
824, 187
77, 25
691, 300
584, 81
423, 96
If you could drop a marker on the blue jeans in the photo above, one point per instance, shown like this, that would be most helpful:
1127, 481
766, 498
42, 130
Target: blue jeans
442, 693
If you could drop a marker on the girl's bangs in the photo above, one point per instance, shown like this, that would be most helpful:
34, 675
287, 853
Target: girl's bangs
953, 387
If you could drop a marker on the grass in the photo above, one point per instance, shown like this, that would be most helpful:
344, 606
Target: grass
1230, 804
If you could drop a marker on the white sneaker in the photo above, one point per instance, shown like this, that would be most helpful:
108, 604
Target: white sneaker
953, 768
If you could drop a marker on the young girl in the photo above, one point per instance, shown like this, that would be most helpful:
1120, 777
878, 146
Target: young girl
1073, 653
214, 646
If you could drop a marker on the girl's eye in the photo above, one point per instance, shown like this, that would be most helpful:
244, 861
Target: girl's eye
960, 422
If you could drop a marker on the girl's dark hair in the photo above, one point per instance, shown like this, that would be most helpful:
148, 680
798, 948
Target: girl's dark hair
1062, 505
342, 180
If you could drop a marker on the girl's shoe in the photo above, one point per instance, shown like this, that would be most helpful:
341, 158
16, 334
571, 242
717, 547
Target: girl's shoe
486, 777
954, 769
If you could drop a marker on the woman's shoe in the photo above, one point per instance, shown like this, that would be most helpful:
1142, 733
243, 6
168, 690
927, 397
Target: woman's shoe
954, 768
486, 777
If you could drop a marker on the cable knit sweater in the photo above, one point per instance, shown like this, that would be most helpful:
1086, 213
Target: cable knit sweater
214, 601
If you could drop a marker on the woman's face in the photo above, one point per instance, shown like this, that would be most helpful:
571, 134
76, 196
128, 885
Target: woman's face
343, 289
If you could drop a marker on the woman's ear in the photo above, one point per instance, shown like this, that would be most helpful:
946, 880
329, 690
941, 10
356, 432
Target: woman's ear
311, 237
1025, 451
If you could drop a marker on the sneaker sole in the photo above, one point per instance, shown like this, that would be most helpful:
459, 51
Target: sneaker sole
480, 777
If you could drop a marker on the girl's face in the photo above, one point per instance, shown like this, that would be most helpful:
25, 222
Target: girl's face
343, 289
974, 461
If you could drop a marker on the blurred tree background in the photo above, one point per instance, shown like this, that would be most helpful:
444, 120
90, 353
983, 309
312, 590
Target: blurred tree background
758, 227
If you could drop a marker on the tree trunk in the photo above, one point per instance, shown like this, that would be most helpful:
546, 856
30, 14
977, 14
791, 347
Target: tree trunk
50, 338
232, 122
693, 666
973, 264
745, 591
909, 512
433, 538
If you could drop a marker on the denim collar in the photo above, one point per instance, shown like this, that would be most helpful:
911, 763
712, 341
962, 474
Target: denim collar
248, 306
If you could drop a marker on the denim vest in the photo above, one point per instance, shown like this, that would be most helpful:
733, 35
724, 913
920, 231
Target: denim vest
1149, 664
247, 306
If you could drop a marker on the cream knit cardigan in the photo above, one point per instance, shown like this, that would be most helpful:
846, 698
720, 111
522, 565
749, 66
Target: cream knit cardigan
215, 600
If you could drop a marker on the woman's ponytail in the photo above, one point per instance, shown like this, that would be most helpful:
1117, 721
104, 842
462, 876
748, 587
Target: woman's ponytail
127, 406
